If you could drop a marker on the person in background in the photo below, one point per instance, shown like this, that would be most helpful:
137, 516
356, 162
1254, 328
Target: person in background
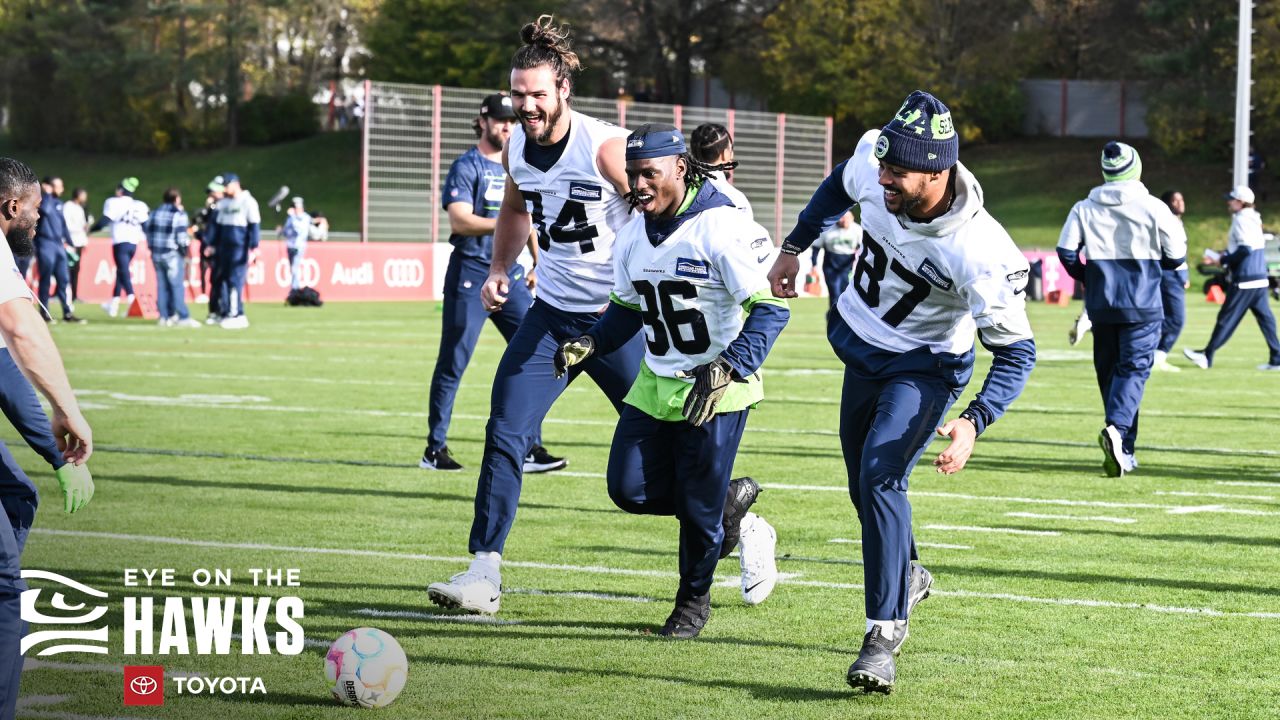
235, 238
1173, 294
52, 240
839, 244
296, 231
319, 227
125, 215
78, 225
65, 441
712, 145
209, 279
169, 239
1130, 238
1246, 264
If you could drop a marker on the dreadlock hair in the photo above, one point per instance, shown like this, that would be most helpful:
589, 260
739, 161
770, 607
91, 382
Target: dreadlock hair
696, 173
546, 43
15, 177
708, 143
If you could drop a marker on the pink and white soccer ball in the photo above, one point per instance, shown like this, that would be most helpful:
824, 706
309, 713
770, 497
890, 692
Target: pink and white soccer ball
365, 668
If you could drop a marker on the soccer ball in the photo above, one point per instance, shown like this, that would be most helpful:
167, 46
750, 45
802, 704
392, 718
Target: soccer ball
365, 668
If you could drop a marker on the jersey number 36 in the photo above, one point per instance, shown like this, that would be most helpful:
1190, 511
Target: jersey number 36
665, 321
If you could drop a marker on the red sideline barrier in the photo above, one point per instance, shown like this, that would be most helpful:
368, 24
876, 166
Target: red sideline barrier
339, 270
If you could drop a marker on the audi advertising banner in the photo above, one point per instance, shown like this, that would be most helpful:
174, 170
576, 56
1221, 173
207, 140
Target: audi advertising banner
338, 270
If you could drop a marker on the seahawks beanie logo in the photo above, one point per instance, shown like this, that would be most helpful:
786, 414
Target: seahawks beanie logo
1120, 162
921, 136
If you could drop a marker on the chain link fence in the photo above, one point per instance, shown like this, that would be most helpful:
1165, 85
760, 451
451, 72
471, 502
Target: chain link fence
412, 133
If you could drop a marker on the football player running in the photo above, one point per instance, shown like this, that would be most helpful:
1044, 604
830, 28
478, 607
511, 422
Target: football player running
685, 271
566, 174
934, 266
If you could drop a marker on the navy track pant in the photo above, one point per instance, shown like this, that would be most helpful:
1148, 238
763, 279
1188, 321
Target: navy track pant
233, 265
1122, 358
1173, 296
1232, 312
524, 389
123, 254
464, 318
51, 263
660, 467
890, 406
836, 270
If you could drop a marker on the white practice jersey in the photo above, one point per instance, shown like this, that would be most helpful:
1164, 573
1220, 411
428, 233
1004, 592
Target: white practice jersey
931, 284
736, 196
575, 212
691, 287
127, 216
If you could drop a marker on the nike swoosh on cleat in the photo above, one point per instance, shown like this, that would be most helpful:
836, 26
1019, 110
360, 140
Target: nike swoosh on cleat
494, 598
753, 587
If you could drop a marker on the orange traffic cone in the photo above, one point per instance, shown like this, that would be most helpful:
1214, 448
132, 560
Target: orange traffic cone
144, 306
812, 285
1216, 295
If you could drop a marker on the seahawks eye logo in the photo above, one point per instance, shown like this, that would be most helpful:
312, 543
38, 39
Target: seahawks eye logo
882, 146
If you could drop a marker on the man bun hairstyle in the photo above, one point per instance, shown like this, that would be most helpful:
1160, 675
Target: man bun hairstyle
546, 43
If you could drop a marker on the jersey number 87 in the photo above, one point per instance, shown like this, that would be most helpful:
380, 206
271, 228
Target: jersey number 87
870, 272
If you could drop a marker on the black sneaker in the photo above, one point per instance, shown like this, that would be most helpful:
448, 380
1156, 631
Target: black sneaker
539, 461
688, 618
917, 590
874, 670
438, 460
73, 319
742, 495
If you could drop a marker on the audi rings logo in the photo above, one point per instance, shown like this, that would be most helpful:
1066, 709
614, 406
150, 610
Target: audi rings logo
308, 268
143, 685
404, 273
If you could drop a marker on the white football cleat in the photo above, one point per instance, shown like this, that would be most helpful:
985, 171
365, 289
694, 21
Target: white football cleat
756, 558
1200, 359
470, 591
238, 322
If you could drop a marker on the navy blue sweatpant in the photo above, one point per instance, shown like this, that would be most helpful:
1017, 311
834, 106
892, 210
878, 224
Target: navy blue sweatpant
524, 389
464, 317
660, 467
890, 406
233, 265
1122, 358
51, 262
1232, 312
836, 270
1173, 296
123, 255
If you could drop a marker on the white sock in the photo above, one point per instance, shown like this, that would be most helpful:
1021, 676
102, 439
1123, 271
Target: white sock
886, 627
488, 564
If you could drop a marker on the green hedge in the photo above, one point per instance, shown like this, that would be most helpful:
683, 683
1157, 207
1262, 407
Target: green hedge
268, 119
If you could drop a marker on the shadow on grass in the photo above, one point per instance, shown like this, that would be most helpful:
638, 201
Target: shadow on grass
329, 490
986, 571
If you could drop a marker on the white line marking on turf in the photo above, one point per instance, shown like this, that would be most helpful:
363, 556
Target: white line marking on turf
36, 664
1002, 530
1081, 518
736, 580
1220, 496
938, 546
580, 594
435, 617
1250, 483
642, 573
27, 707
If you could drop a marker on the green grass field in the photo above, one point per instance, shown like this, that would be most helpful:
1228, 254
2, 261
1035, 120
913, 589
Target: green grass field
294, 444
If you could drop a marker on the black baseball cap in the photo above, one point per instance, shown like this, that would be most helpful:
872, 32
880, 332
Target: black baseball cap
498, 107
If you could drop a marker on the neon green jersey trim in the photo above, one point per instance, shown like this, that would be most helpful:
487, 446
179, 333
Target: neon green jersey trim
764, 296
613, 298
662, 398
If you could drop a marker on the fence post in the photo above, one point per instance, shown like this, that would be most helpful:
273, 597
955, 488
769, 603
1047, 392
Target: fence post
364, 161
1122, 108
436, 94
827, 147
622, 113
677, 113
729, 120
780, 158
1062, 111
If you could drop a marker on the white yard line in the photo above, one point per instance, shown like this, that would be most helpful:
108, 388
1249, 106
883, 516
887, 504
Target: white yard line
937, 546
1078, 518
599, 570
1250, 483
1000, 530
36, 664
433, 617
611, 597
1217, 496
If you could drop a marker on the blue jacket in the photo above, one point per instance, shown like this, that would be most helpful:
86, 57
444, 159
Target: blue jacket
1246, 248
52, 227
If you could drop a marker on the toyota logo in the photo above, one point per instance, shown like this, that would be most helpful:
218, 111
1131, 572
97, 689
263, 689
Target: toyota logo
144, 685
403, 273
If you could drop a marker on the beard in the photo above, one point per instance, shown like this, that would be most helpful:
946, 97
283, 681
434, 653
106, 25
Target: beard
548, 125
494, 138
20, 241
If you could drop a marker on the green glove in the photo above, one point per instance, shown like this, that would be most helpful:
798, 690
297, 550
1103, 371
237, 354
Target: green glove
77, 486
